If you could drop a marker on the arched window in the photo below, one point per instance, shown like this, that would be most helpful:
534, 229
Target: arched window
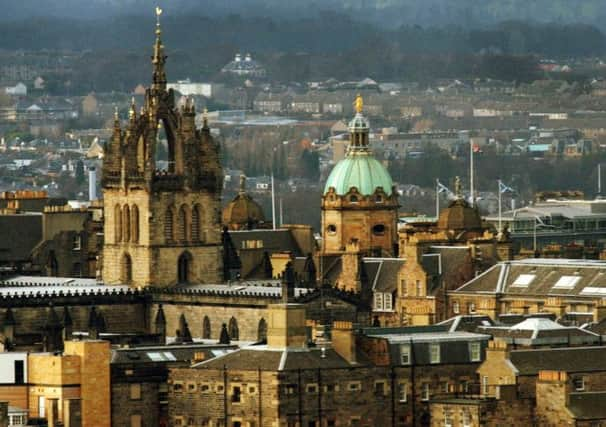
168, 225
378, 229
134, 228
206, 328
126, 223
195, 223
262, 330
234, 333
117, 224
127, 269
52, 264
182, 225
183, 268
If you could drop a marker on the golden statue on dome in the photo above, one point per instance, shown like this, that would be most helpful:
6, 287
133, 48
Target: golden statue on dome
359, 103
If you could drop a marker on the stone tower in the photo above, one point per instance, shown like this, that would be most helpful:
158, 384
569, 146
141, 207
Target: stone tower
162, 227
360, 202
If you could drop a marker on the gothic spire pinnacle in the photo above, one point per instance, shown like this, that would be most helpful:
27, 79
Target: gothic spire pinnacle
116, 118
132, 112
159, 59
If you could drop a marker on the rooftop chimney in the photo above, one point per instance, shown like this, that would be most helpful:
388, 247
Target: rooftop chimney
92, 183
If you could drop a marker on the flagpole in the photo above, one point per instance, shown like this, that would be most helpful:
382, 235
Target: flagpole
471, 189
500, 195
437, 199
281, 213
273, 203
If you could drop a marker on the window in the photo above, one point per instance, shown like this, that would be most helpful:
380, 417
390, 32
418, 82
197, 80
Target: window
195, 223
330, 388
378, 230
183, 267
354, 386
578, 383
405, 354
252, 390
567, 282
126, 223
332, 229
205, 388
379, 199
523, 280
402, 392
464, 387
135, 391
19, 372
289, 389
311, 388
425, 392
77, 243
434, 353
474, 351
234, 332
471, 308
168, 225
484, 385
456, 309
191, 387
387, 302
127, 269
135, 224
448, 418
236, 395
117, 224
445, 387
353, 199
380, 388
206, 328
135, 420
182, 224
178, 387
378, 301
419, 288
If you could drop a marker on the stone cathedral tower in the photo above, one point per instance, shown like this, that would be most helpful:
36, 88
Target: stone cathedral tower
360, 203
162, 227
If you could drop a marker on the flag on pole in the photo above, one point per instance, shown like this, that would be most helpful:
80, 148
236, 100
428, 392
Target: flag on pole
504, 188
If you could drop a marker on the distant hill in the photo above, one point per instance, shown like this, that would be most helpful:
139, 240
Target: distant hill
391, 13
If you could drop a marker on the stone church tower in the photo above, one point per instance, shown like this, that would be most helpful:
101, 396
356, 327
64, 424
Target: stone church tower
162, 227
360, 204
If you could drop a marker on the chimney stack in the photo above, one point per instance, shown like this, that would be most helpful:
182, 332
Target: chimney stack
92, 183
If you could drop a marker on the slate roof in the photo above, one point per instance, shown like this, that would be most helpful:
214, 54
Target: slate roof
167, 353
382, 273
588, 405
539, 277
572, 359
15, 244
267, 359
280, 240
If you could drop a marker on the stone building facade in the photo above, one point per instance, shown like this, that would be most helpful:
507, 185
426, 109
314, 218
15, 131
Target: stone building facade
162, 227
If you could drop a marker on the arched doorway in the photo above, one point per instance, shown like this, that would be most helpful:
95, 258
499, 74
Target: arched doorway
234, 332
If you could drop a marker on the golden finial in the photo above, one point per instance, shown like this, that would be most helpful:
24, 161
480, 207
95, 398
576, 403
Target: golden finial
116, 115
359, 103
158, 13
132, 113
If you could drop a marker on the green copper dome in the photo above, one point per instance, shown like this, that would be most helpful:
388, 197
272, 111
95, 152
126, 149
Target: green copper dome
360, 170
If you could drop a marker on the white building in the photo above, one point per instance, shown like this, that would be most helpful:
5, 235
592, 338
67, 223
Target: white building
187, 88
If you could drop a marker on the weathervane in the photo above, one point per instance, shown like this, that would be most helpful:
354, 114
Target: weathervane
158, 13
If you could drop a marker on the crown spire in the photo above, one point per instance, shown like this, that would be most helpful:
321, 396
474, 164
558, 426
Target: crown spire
359, 104
159, 59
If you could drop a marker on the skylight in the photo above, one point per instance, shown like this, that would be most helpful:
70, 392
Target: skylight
592, 290
524, 280
164, 356
567, 282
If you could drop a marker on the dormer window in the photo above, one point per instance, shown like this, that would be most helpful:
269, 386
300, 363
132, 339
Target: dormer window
353, 199
379, 199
